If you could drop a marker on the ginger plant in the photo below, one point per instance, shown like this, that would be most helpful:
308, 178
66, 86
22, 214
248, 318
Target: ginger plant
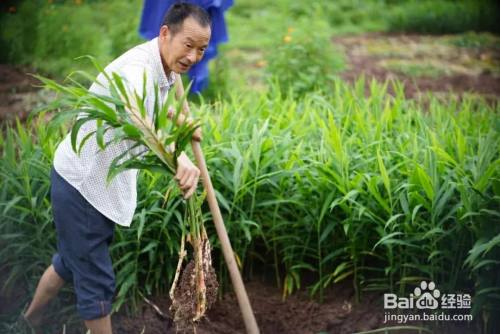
156, 139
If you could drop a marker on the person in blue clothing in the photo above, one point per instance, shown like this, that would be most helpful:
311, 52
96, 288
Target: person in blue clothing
152, 15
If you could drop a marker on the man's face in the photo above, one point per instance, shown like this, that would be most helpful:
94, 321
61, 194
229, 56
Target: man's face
185, 48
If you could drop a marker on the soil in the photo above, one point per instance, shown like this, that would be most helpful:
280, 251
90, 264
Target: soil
18, 95
298, 314
339, 313
463, 70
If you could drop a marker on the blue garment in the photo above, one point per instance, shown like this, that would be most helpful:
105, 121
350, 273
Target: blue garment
83, 238
153, 13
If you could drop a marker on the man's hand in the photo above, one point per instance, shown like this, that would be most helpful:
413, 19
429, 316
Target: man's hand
187, 175
181, 119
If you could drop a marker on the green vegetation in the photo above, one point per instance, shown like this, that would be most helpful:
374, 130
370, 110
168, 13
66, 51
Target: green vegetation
476, 41
370, 190
303, 63
442, 17
38, 30
415, 69
49, 35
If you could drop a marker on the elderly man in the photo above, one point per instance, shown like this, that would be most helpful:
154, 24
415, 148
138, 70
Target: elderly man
85, 207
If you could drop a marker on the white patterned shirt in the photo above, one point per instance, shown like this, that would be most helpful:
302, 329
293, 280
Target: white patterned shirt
87, 172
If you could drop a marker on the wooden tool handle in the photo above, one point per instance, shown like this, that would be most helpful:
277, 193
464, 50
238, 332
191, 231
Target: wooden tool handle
227, 250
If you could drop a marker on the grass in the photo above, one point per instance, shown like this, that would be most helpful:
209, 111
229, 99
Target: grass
415, 68
445, 17
476, 41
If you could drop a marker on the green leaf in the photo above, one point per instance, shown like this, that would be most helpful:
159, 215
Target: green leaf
100, 105
100, 134
131, 131
75, 129
425, 182
118, 82
385, 175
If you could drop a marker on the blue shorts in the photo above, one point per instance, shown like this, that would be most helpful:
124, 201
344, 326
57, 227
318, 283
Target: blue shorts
83, 239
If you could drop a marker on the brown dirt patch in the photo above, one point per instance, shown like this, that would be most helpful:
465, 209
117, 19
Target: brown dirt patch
423, 64
17, 92
297, 314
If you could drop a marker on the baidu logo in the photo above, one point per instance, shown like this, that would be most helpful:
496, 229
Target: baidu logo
427, 297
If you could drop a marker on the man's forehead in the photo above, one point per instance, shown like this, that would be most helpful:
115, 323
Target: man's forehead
194, 30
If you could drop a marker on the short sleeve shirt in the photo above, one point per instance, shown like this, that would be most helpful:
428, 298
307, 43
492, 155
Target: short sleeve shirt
87, 172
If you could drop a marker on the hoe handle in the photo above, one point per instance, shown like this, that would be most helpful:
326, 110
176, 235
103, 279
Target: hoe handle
239, 288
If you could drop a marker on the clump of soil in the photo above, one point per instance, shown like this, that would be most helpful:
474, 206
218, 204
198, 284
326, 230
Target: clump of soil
185, 299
